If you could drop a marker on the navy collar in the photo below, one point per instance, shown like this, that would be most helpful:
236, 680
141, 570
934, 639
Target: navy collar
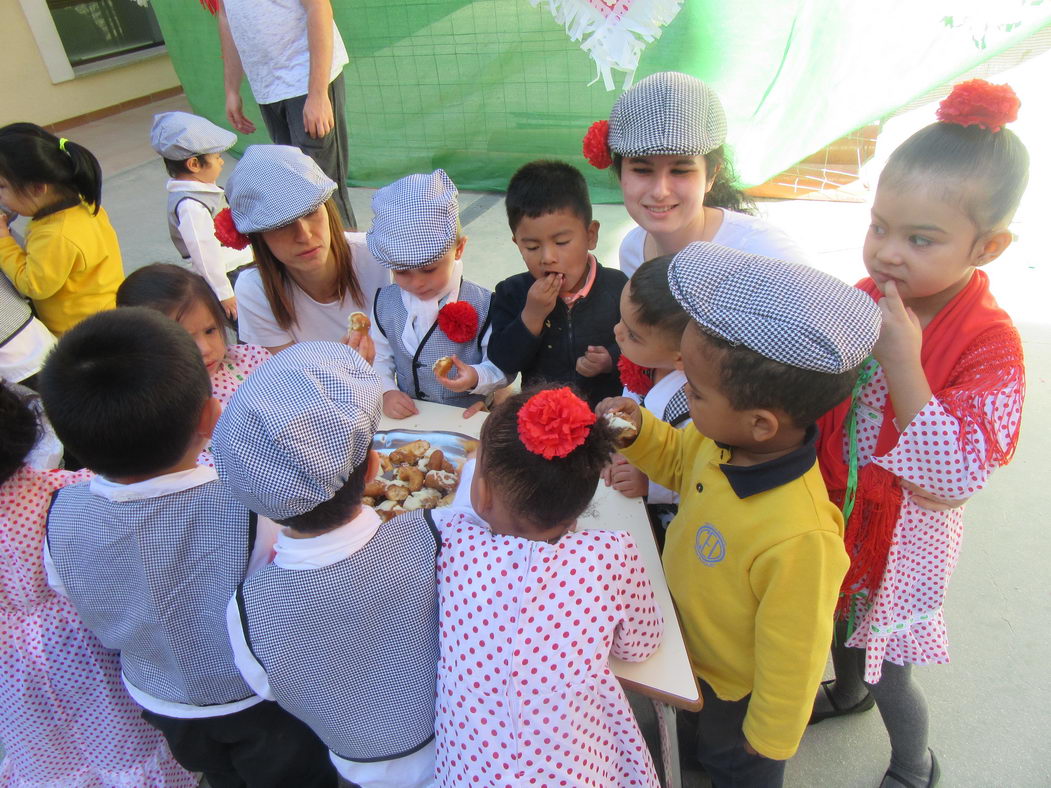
747, 480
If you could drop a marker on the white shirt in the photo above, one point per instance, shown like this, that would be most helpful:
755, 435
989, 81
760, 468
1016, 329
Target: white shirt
314, 321
197, 227
23, 354
415, 770
266, 536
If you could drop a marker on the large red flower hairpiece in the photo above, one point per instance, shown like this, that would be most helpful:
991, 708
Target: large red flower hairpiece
458, 320
636, 379
226, 231
980, 103
554, 422
596, 145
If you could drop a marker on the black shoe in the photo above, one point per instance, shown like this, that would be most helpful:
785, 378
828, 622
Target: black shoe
836, 710
932, 780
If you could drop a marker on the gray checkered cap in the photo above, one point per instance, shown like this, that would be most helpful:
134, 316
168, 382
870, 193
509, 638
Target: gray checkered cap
414, 220
788, 312
273, 185
180, 136
668, 113
297, 427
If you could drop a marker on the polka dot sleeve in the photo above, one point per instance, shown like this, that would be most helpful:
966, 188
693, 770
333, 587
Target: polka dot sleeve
642, 627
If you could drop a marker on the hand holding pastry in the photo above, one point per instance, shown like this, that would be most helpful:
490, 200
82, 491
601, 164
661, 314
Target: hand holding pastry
624, 416
466, 376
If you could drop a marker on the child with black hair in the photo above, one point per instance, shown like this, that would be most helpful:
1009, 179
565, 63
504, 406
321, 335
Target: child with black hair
754, 558
555, 322
342, 628
168, 544
532, 609
67, 718
71, 265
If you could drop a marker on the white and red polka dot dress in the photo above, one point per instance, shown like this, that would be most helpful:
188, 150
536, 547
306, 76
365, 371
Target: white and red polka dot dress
525, 693
238, 362
943, 454
65, 718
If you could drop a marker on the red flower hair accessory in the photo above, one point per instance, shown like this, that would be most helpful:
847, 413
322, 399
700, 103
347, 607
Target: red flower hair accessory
980, 103
636, 379
596, 145
458, 320
226, 231
554, 422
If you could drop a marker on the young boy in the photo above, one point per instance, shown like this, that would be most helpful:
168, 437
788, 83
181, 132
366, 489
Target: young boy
150, 550
342, 629
192, 148
555, 322
755, 557
430, 320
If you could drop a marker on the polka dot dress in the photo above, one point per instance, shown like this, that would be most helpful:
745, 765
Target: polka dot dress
238, 362
945, 457
525, 693
65, 718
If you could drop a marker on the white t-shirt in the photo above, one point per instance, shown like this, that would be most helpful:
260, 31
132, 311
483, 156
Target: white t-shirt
314, 321
738, 231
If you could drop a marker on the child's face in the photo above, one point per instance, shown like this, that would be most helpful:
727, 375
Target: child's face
557, 243
433, 279
200, 323
303, 246
646, 345
664, 194
209, 165
712, 414
23, 202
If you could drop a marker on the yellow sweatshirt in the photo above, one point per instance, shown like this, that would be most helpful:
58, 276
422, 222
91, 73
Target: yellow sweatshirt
71, 266
754, 561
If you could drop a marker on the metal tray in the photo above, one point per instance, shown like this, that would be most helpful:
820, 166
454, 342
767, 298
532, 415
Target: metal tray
454, 445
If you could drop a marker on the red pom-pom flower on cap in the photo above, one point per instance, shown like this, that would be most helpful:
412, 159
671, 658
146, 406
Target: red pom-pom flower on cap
226, 231
980, 103
458, 320
636, 379
596, 145
554, 422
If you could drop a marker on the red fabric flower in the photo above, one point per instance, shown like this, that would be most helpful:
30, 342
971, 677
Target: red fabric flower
596, 145
226, 231
979, 103
636, 379
211, 5
459, 321
554, 422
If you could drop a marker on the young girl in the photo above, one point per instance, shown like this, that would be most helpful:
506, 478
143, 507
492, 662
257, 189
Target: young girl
934, 413
531, 610
67, 719
666, 141
71, 264
187, 299
309, 275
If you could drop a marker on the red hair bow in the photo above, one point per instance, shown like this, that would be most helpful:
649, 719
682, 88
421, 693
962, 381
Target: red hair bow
980, 103
596, 145
636, 379
554, 422
458, 320
226, 231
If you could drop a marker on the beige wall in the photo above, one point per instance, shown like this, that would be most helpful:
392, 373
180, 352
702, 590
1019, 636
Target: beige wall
26, 89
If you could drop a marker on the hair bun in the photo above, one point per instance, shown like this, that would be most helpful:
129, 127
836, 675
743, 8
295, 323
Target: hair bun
980, 103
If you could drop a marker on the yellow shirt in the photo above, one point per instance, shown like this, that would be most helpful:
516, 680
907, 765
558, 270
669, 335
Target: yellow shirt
71, 266
754, 561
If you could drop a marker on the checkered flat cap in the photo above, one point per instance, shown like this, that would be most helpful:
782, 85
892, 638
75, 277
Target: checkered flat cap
667, 114
273, 185
788, 312
414, 220
179, 136
297, 427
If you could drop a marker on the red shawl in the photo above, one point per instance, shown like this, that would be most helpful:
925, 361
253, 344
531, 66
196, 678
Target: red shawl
971, 346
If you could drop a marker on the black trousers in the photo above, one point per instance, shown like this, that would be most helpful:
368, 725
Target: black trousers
262, 746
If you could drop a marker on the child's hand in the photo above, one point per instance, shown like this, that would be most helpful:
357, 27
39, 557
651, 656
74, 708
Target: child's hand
540, 300
625, 407
362, 342
926, 500
596, 361
5, 231
230, 307
466, 377
477, 407
901, 336
398, 405
626, 479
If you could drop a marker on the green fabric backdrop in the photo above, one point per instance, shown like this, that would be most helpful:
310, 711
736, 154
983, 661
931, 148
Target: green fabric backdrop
480, 88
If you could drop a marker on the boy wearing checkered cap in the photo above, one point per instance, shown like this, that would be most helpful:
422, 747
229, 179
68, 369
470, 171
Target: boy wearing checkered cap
431, 321
342, 628
755, 557
192, 149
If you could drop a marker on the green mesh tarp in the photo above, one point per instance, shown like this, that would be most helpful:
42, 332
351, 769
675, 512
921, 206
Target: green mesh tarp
479, 88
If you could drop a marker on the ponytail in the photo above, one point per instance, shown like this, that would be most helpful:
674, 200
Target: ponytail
30, 155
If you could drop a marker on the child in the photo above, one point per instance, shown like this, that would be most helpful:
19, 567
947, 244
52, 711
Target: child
754, 558
666, 142
67, 718
555, 322
71, 265
947, 372
431, 312
532, 610
24, 340
342, 629
188, 300
167, 547
192, 149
